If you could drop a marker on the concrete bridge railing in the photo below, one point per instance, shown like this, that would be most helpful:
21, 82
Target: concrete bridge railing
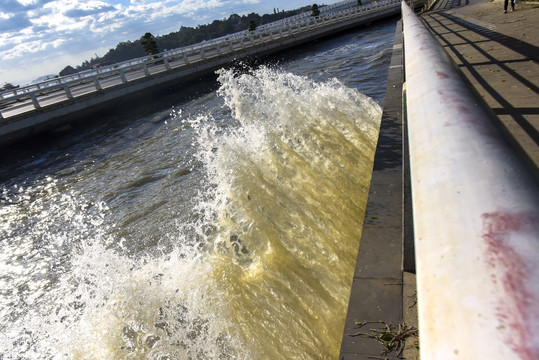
476, 216
37, 96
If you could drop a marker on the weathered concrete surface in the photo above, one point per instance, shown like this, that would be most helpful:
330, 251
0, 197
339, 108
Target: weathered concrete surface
377, 290
499, 56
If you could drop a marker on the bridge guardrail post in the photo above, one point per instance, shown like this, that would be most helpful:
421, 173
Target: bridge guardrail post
68, 91
96, 83
122, 75
34, 101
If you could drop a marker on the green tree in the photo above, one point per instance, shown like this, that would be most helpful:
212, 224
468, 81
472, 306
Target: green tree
8, 86
315, 10
187, 35
148, 44
252, 25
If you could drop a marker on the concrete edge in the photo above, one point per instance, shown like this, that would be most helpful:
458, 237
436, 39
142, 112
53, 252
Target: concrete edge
381, 292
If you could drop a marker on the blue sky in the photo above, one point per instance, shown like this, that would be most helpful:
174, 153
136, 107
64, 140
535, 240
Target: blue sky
40, 37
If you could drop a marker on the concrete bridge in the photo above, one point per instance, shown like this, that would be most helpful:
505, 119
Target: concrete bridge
32, 109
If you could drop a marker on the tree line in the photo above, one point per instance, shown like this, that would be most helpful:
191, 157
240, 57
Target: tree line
185, 36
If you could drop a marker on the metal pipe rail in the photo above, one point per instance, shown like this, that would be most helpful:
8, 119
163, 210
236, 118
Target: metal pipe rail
306, 14
37, 96
476, 216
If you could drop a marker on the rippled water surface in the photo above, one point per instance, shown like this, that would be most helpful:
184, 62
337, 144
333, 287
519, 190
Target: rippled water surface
223, 227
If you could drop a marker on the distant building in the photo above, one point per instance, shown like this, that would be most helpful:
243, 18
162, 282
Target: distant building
68, 70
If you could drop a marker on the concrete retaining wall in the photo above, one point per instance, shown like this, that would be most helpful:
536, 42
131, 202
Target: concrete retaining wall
387, 239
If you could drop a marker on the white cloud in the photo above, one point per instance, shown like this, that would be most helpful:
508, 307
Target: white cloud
27, 2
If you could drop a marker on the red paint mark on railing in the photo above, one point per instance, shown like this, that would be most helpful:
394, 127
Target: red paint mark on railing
441, 75
518, 310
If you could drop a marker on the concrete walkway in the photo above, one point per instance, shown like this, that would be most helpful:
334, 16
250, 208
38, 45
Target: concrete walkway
499, 56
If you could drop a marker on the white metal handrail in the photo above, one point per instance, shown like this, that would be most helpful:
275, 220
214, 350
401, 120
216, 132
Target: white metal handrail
72, 86
476, 216
308, 14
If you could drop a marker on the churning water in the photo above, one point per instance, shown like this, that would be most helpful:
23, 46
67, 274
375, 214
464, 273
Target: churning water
226, 227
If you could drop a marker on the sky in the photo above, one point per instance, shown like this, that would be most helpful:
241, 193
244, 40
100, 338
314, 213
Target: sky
41, 37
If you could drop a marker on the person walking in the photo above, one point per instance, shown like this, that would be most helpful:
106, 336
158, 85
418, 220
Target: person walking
505, 3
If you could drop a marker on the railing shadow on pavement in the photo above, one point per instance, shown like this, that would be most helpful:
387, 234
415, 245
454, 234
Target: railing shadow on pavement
527, 51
